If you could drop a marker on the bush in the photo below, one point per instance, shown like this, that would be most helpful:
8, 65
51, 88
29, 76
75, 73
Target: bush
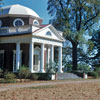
44, 76
23, 73
83, 68
98, 71
52, 68
34, 76
9, 77
1, 73
94, 74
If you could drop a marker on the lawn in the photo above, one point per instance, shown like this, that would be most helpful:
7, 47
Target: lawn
69, 91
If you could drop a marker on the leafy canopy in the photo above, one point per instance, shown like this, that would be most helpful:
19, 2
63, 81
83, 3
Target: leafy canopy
75, 17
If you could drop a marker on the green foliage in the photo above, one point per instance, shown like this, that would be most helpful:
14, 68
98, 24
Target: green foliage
23, 72
69, 68
96, 49
45, 76
84, 68
51, 68
98, 71
34, 77
9, 77
1, 73
94, 74
76, 18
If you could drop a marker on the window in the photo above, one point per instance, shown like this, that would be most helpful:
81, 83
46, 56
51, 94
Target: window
18, 22
0, 23
35, 22
48, 33
35, 59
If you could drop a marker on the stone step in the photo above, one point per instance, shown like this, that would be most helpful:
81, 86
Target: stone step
64, 76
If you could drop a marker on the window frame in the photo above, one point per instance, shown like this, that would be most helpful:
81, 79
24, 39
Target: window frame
35, 21
50, 34
16, 21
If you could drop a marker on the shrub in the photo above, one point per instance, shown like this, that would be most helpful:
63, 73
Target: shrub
98, 71
1, 73
68, 68
9, 77
34, 76
52, 68
83, 68
23, 73
44, 76
94, 74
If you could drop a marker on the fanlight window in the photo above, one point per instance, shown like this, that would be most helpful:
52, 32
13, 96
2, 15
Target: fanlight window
35, 22
18, 22
48, 33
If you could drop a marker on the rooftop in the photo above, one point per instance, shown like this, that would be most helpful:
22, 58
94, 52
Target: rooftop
18, 10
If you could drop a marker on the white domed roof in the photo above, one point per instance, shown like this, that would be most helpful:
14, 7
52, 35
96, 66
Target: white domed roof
18, 10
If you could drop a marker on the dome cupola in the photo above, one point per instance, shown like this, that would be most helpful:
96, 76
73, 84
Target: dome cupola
18, 10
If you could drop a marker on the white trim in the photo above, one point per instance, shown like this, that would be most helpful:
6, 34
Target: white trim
17, 20
46, 41
52, 28
35, 21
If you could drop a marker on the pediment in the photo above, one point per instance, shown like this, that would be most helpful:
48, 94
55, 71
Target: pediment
48, 32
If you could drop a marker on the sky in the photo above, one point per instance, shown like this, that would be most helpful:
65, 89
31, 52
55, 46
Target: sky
39, 6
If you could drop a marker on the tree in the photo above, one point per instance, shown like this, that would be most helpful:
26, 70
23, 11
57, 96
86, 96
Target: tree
75, 18
96, 49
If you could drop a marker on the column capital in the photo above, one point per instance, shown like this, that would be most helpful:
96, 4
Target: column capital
18, 42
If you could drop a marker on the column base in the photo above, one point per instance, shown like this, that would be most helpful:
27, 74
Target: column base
60, 71
42, 71
33, 72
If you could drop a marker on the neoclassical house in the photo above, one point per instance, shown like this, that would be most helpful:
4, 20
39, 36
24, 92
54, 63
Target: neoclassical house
24, 40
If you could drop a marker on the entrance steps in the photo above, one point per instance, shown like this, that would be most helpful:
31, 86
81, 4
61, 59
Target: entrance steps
65, 76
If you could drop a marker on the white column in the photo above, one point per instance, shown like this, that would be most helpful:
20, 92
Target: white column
42, 59
17, 56
52, 54
48, 56
60, 60
31, 55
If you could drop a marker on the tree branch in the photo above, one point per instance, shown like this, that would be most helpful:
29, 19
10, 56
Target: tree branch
91, 18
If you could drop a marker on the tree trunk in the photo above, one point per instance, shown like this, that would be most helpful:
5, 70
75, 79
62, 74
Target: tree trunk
74, 55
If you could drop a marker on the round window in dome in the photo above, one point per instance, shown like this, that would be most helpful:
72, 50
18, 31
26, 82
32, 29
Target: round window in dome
35, 22
18, 22
0, 23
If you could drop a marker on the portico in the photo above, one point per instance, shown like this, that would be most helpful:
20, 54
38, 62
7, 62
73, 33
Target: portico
49, 48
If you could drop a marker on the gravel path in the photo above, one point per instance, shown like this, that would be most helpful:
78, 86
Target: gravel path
4, 87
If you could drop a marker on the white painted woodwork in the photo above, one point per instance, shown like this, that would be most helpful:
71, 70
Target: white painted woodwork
60, 60
31, 57
42, 59
17, 55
